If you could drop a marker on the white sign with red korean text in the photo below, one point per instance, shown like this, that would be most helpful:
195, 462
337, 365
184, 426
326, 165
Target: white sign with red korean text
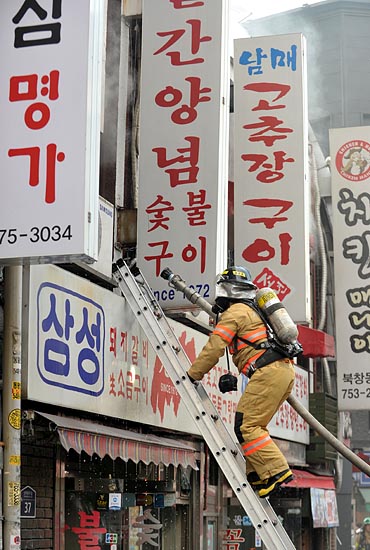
50, 103
350, 176
85, 350
270, 165
183, 145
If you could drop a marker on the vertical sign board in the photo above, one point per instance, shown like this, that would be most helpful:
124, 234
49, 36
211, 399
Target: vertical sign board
350, 173
50, 102
183, 144
271, 186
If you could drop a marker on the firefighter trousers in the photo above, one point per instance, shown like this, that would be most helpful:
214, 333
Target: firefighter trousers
266, 390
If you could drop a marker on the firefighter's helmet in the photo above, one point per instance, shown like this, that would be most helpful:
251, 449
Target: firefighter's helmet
232, 285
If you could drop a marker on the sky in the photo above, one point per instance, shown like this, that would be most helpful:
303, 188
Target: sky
253, 9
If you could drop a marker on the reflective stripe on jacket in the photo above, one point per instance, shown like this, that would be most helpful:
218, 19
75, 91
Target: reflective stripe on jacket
238, 320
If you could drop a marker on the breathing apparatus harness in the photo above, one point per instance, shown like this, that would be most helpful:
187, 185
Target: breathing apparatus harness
274, 348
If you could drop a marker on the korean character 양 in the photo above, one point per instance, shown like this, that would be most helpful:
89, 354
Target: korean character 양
50, 32
175, 35
170, 96
27, 88
192, 158
52, 156
254, 64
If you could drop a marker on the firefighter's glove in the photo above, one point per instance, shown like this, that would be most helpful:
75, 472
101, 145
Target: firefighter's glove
192, 380
227, 382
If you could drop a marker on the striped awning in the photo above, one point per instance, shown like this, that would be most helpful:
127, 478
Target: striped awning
92, 438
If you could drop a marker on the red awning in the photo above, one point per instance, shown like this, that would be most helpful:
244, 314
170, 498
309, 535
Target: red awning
316, 343
93, 438
306, 480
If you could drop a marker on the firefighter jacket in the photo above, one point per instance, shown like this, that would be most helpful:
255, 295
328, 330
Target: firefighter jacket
238, 320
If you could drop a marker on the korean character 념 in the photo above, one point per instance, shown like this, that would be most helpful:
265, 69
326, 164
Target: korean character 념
175, 35
176, 174
51, 32
254, 63
170, 96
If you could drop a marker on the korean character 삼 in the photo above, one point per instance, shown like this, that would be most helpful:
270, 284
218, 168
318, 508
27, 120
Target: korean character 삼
37, 34
56, 350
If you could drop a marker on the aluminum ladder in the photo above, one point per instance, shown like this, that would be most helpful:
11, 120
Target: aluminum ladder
223, 445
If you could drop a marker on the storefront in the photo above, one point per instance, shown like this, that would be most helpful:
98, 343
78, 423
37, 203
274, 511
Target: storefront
108, 488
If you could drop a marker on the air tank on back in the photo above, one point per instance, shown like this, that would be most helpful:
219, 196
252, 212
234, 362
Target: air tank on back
285, 328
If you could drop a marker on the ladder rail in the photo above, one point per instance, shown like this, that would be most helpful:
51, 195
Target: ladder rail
220, 441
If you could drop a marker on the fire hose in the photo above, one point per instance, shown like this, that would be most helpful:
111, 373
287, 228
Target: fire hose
176, 282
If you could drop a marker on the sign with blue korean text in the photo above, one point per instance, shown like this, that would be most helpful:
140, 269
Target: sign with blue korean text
83, 349
50, 104
350, 176
271, 193
183, 158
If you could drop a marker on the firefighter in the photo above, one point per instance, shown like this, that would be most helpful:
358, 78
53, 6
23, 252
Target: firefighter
363, 537
270, 374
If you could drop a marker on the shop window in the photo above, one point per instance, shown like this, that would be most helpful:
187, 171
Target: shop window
124, 505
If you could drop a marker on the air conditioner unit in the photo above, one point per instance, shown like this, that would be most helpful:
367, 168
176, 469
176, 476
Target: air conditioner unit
105, 238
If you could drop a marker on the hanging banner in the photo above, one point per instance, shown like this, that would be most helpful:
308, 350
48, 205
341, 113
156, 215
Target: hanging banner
271, 200
183, 158
350, 175
50, 103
